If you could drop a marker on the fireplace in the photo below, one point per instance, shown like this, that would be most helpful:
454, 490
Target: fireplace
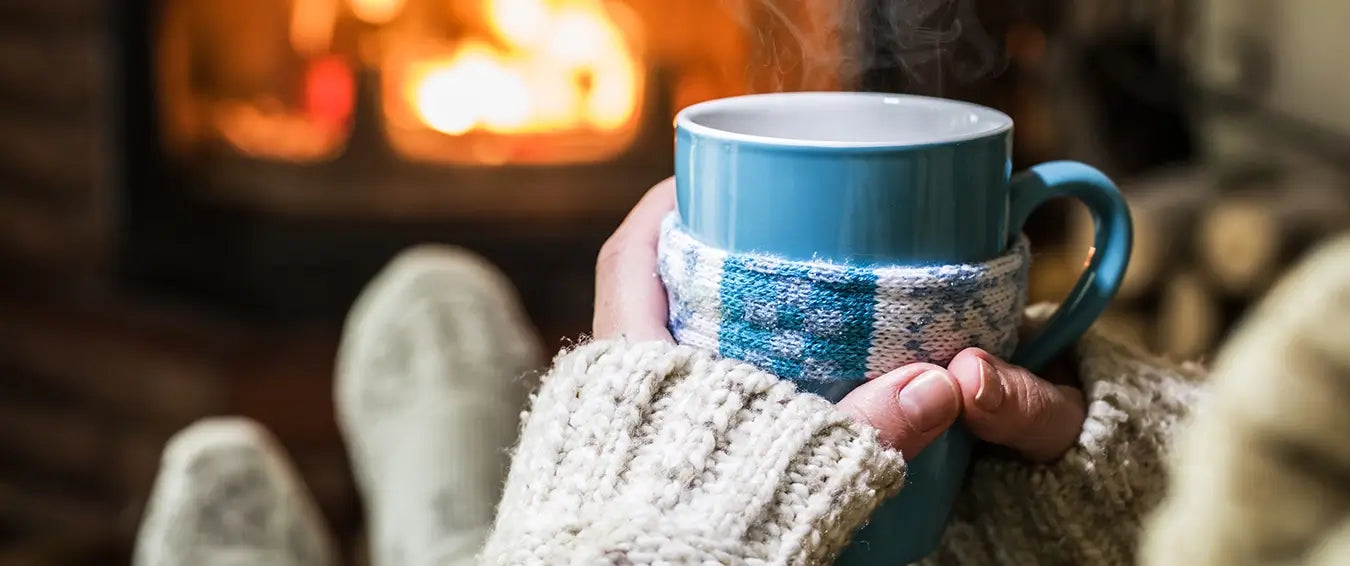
299, 143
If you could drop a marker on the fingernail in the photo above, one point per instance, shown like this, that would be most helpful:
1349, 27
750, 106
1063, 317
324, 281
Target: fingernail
990, 395
930, 401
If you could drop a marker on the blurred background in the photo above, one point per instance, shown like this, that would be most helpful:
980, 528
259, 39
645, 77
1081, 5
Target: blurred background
193, 191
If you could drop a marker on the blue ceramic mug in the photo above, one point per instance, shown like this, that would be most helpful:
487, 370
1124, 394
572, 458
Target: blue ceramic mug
873, 179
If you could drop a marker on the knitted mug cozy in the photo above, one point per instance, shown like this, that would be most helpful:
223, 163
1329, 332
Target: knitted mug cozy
819, 322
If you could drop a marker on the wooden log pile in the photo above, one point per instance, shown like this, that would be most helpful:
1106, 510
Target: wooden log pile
1209, 242
56, 144
1249, 238
86, 402
81, 418
89, 395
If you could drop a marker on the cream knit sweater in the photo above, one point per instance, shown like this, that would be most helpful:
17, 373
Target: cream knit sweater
651, 453
658, 454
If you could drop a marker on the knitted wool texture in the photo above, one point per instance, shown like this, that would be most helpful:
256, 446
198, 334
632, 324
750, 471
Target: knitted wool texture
1262, 475
814, 322
653, 453
226, 495
432, 371
650, 453
1090, 505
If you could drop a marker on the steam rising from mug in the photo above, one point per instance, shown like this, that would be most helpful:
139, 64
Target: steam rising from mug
814, 44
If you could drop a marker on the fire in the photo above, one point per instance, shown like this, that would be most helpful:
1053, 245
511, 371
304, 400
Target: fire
312, 23
376, 11
547, 67
498, 101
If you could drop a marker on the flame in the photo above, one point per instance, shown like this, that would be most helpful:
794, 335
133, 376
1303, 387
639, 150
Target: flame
551, 68
312, 23
519, 22
377, 11
267, 127
499, 99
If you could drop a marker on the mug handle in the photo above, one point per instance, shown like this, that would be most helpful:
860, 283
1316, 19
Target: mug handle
1110, 253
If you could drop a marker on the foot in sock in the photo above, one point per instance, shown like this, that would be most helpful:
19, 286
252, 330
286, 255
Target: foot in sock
431, 379
226, 496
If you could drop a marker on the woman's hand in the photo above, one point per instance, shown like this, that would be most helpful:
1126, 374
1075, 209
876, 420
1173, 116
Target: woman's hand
910, 406
629, 298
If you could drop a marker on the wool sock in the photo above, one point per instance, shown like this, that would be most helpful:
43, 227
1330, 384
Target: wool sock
226, 496
431, 380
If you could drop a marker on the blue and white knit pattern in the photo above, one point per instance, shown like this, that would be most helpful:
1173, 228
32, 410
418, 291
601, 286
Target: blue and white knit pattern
822, 322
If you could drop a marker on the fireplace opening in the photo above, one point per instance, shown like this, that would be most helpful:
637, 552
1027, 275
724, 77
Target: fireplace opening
302, 142
474, 82
297, 144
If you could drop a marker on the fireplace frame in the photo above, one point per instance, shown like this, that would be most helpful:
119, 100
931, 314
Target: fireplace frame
214, 234
222, 235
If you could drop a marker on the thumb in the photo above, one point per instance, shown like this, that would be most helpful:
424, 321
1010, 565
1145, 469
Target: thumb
909, 407
1010, 406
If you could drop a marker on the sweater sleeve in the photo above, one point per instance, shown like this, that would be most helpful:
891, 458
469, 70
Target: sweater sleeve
1262, 474
1089, 506
655, 453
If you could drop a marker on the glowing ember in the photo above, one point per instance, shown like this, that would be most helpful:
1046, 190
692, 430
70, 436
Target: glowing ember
554, 68
330, 92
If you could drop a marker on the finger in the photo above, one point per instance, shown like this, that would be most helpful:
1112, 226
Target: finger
1009, 406
629, 298
910, 407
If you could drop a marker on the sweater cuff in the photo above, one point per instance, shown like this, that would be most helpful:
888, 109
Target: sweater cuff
651, 452
1088, 506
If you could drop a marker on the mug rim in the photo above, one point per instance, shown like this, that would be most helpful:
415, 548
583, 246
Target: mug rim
685, 120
